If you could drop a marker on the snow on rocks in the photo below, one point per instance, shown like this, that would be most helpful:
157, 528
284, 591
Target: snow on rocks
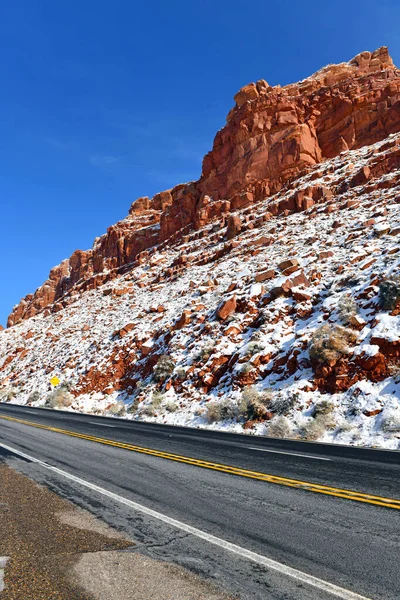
238, 315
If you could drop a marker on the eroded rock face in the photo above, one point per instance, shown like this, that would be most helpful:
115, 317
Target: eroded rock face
273, 135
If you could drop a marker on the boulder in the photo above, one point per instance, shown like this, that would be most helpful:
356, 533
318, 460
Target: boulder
227, 308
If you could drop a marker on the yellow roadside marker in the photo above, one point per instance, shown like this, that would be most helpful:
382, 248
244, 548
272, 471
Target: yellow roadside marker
304, 485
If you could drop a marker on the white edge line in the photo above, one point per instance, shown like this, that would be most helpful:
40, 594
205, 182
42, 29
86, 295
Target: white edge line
212, 539
100, 424
3, 562
291, 454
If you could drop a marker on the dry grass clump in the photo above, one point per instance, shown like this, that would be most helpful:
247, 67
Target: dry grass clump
390, 423
246, 368
254, 404
204, 353
282, 404
156, 399
180, 373
331, 342
347, 309
148, 410
394, 371
316, 428
163, 368
389, 293
221, 411
117, 410
34, 397
253, 348
279, 427
325, 407
213, 412
59, 398
171, 406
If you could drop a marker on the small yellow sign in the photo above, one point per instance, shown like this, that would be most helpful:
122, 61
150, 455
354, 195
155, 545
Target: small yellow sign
54, 381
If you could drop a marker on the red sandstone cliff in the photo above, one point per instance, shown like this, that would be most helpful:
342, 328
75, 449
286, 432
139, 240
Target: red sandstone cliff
272, 135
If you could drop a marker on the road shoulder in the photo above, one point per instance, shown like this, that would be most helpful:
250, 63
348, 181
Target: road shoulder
55, 550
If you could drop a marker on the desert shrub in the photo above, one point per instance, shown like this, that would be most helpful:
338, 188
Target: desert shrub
134, 406
253, 347
347, 309
344, 427
394, 371
213, 412
246, 368
156, 399
204, 353
283, 404
10, 395
390, 423
389, 293
316, 428
163, 368
181, 373
229, 409
117, 410
148, 410
171, 406
7, 394
34, 397
221, 411
59, 398
330, 342
254, 404
279, 427
325, 407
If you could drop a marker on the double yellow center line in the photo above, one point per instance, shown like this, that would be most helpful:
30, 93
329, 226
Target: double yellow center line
294, 483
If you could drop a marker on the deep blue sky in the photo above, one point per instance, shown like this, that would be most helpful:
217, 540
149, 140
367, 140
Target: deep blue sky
105, 101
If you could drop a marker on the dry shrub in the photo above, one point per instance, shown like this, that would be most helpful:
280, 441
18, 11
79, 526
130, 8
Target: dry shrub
34, 397
316, 428
148, 410
171, 406
283, 404
254, 404
117, 410
347, 309
213, 412
156, 399
163, 368
389, 293
279, 427
325, 407
330, 342
59, 398
221, 411
204, 353
246, 368
253, 347
390, 423
180, 373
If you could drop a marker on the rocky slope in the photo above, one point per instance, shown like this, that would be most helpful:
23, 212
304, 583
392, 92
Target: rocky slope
265, 295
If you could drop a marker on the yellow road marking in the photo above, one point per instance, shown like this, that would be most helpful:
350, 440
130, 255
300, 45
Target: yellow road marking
304, 485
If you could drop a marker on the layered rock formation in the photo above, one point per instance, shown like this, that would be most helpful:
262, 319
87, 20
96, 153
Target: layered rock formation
265, 295
272, 136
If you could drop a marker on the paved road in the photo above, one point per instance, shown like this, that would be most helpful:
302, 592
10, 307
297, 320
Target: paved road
352, 544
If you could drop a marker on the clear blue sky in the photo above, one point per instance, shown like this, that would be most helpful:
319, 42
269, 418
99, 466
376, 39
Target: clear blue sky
105, 101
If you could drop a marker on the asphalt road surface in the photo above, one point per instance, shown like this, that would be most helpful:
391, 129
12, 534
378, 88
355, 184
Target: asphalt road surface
261, 518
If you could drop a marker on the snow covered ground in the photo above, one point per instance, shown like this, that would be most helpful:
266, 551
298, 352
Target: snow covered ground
104, 346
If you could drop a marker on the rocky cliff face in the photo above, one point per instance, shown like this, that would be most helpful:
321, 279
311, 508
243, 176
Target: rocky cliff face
272, 135
265, 296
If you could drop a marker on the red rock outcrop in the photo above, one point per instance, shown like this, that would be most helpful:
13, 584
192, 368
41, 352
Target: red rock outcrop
272, 135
